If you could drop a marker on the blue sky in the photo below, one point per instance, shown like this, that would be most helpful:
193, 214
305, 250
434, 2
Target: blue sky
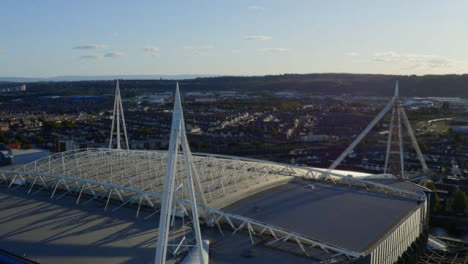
244, 37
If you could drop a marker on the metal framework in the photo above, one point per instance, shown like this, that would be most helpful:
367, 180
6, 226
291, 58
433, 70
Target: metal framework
136, 177
61, 184
441, 257
221, 175
116, 114
179, 140
395, 138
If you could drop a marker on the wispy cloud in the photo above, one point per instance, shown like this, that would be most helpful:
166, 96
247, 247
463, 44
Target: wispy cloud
90, 57
153, 50
89, 47
352, 54
255, 8
202, 50
257, 37
275, 50
2, 49
413, 60
114, 54
387, 56
111, 54
203, 47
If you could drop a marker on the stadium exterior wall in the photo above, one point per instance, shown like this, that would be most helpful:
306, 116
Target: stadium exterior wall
403, 236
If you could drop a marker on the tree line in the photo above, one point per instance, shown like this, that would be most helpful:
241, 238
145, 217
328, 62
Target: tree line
330, 84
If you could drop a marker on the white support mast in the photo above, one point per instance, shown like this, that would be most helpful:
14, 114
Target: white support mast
389, 141
400, 132
395, 140
398, 115
116, 114
178, 141
360, 137
414, 141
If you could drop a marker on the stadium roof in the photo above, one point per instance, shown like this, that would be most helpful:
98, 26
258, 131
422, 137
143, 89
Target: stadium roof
135, 178
345, 217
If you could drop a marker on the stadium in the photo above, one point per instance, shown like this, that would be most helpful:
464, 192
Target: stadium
250, 211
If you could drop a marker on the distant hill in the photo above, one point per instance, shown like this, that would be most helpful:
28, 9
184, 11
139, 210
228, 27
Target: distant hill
342, 83
18, 79
328, 83
102, 78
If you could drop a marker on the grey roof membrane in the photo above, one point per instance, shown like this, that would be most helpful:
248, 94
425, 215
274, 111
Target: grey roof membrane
349, 218
59, 231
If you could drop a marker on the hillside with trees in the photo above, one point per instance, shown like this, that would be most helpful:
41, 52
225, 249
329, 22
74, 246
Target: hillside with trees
332, 83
